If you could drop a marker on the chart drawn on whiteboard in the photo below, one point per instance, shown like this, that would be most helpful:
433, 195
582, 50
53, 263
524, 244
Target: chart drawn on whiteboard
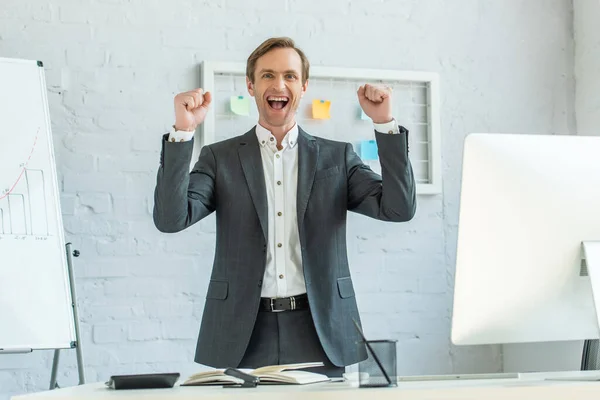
24, 210
23, 194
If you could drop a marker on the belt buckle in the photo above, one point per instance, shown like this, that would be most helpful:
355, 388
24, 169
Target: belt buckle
273, 309
292, 304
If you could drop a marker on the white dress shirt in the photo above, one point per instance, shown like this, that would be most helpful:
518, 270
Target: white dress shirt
283, 275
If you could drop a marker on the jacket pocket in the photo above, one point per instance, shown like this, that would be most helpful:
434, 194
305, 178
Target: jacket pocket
345, 287
327, 172
217, 290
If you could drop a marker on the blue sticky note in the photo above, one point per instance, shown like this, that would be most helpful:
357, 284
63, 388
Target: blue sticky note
240, 105
363, 116
368, 150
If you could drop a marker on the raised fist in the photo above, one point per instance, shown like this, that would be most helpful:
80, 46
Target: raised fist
191, 108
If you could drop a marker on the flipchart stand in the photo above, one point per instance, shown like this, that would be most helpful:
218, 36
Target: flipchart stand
77, 343
37, 284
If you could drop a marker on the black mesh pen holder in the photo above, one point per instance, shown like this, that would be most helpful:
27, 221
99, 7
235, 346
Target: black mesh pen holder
379, 368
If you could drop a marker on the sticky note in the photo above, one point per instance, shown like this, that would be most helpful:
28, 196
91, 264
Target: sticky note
368, 150
363, 115
240, 105
320, 109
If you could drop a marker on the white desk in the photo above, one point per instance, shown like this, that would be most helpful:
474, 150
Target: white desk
527, 386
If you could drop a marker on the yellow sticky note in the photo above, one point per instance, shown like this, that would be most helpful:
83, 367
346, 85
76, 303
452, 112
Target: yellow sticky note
240, 105
320, 109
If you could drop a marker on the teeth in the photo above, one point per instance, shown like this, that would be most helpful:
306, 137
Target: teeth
271, 98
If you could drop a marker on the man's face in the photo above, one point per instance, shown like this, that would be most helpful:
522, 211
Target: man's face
277, 86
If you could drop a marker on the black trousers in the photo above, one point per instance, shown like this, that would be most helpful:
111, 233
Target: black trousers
287, 337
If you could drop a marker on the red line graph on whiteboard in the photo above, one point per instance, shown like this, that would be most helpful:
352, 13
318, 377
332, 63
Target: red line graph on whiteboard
23, 167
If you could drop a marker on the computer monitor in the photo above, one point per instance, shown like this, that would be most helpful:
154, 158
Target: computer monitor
527, 203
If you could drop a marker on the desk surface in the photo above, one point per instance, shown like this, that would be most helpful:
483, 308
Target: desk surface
528, 386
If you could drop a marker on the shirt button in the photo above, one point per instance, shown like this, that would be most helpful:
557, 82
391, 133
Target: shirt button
271, 139
277, 155
279, 182
281, 276
390, 132
279, 213
279, 245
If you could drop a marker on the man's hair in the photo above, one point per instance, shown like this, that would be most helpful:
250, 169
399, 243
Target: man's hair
275, 43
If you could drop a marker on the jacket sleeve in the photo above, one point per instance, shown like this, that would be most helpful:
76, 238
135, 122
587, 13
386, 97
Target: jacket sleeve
391, 196
181, 197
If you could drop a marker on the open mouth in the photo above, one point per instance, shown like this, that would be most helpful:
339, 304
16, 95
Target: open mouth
277, 102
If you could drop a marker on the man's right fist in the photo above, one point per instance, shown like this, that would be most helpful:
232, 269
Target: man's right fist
191, 108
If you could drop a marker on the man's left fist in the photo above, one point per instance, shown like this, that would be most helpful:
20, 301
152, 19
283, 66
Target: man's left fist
376, 102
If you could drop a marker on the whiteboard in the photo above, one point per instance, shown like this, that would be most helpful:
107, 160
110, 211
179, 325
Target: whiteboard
35, 299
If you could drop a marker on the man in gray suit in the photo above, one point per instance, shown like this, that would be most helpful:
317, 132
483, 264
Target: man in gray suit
280, 290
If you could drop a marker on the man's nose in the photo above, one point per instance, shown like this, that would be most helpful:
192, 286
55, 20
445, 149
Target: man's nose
279, 84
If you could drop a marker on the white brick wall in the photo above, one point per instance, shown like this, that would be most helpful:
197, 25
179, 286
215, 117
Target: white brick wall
113, 68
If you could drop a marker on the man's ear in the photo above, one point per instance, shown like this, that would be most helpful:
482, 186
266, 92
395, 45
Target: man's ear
304, 88
250, 87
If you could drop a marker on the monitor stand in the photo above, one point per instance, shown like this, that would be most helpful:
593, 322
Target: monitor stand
590, 359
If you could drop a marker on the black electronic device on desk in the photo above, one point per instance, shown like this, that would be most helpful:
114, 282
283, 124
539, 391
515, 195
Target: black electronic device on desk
143, 381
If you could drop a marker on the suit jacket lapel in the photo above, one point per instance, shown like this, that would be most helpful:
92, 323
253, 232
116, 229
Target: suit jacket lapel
251, 160
308, 154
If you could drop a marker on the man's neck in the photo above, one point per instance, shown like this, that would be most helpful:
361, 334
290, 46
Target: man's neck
278, 131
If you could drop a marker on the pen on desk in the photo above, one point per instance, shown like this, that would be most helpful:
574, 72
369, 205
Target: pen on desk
249, 380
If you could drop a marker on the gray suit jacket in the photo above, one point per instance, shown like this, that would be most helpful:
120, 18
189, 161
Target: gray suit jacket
228, 179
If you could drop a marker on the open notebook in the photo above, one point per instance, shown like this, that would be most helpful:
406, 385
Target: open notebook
272, 374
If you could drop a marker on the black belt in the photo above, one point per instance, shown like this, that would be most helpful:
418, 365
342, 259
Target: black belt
273, 304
